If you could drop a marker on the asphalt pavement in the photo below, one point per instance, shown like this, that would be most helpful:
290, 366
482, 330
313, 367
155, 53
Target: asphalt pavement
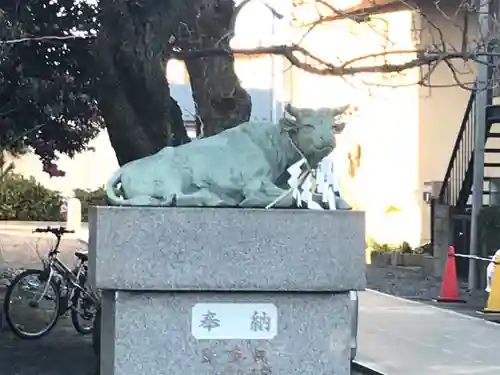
63, 351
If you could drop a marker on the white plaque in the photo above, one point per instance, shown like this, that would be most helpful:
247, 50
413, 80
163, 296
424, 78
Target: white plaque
246, 321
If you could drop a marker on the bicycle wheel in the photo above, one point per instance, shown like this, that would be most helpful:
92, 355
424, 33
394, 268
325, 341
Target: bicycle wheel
83, 312
42, 308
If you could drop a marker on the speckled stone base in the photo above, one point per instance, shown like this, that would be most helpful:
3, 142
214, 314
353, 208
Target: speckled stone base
152, 335
155, 264
135, 248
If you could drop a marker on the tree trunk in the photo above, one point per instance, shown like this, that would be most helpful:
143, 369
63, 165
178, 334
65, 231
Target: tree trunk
220, 100
134, 97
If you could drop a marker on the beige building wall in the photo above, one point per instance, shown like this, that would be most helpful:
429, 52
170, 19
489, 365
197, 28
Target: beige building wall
406, 132
87, 170
383, 179
441, 106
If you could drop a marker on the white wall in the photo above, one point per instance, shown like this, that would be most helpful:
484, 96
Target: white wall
386, 125
87, 170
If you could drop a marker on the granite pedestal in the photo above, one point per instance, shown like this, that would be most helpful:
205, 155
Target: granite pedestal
226, 291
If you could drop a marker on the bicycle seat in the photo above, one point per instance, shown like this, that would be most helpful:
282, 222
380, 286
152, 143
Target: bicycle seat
82, 255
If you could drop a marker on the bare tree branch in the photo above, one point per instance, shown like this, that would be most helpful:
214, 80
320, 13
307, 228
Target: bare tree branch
290, 52
45, 38
437, 52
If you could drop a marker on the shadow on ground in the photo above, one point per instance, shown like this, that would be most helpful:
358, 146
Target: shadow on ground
61, 352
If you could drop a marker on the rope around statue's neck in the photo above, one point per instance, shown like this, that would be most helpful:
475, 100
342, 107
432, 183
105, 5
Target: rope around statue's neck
302, 176
293, 143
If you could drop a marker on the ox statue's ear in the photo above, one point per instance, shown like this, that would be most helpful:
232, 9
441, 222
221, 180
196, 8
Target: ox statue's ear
292, 110
288, 125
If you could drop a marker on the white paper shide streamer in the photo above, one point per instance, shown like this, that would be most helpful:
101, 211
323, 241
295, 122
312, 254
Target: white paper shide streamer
318, 190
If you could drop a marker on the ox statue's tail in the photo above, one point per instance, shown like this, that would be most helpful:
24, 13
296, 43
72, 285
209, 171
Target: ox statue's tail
111, 188
139, 200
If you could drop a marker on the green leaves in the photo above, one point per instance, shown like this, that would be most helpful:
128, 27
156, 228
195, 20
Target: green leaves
26, 199
47, 94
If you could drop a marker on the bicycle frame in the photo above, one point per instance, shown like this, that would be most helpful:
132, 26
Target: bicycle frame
53, 265
72, 295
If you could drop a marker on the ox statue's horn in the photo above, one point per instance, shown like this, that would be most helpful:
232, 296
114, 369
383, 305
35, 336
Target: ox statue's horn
339, 110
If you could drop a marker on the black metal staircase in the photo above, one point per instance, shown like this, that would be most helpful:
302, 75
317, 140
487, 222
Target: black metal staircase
493, 118
457, 183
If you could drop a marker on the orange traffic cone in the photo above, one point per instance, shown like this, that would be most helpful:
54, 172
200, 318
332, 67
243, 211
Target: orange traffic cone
449, 285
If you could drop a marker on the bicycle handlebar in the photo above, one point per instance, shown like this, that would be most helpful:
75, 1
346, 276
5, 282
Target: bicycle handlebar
55, 231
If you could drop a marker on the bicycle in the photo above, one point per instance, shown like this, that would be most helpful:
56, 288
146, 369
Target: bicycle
66, 287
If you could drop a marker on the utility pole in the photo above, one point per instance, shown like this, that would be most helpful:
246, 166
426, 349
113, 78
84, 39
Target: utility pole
479, 138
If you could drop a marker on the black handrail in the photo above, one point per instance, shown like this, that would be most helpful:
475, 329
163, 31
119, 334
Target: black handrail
457, 182
458, 178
